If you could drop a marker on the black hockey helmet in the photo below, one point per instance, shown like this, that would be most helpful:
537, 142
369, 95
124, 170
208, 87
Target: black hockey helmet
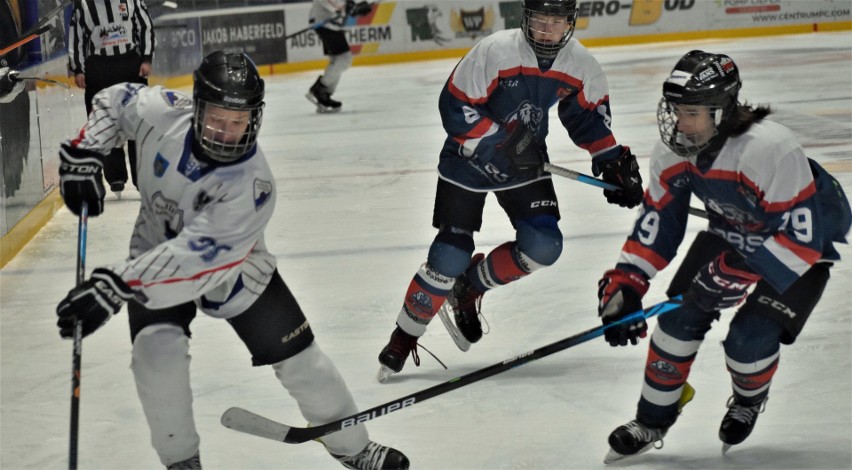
564, 8
229, 81
699, 79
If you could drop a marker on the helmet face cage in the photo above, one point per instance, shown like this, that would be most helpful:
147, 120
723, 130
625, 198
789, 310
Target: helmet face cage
220, 150
231, 82
698, 79
679, 142
539, 14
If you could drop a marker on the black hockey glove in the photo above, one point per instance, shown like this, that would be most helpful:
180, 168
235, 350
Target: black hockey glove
620, 293
624, 173
723, 283
93, 302
80, 179
10, 85
358, 9
521, 148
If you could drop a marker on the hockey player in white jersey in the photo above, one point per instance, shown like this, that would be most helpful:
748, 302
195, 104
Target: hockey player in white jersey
494, 108
774, 216
207, 195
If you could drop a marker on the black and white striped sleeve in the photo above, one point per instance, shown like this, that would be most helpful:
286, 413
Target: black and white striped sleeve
78, 40
143, 30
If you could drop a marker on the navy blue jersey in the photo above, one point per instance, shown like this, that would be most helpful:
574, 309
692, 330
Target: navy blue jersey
777, 208
499, 81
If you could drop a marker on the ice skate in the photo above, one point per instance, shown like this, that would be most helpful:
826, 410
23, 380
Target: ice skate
320, 96
192, 463
375, 457
464, 304
117, 187
738, 422
633, 438
393, 356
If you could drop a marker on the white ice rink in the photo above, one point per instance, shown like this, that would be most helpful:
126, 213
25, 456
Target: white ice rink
353, 224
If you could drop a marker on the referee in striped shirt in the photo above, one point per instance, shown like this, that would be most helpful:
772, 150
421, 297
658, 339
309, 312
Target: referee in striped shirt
110, 42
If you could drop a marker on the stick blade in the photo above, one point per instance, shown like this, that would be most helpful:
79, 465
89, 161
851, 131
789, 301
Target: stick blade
245, 421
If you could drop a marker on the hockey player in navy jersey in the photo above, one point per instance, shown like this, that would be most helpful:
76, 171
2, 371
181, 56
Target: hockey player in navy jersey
773, 217
207, 196
494, 108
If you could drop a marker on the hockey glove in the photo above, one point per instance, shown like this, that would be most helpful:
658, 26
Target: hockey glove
93, 302
10, 85
624, 173
620, 293
80, 179
358, 9
723, 283
521, 148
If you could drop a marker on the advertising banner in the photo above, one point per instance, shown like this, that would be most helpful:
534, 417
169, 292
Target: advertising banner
258, 34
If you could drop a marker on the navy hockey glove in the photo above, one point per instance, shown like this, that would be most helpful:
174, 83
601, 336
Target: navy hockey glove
624, 173
80, 179
723, 283
93, 302
358, 9
620, 293
521, 148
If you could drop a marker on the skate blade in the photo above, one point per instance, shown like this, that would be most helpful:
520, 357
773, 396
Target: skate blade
613, 456
452, 329
384, 373
327, 109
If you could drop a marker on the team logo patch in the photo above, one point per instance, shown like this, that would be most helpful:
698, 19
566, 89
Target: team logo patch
208, 247
664, 371
176, 99
160, 165
262, 192
421, 303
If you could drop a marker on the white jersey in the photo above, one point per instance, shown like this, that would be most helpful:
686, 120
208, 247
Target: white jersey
199, 234
330, 11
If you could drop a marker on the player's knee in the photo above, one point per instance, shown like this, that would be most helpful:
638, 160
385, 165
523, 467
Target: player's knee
540, 239
159, 344
343, 61
450, 253
752, 337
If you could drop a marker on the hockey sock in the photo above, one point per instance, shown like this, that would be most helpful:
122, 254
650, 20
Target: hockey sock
666, 370
426, 293
322, 395
160, 367
503, 265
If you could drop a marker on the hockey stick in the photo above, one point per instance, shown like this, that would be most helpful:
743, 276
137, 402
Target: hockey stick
14, 75
34, 29
78, 342
316, 25
571, 174
25, 39
245, 421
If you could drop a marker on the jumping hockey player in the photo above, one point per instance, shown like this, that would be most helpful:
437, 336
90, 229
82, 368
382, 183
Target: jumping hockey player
773, 217
207, 196
494, 108
331, 15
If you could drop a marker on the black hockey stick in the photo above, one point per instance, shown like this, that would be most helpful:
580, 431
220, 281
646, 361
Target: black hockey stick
245, 421
78, 343
36, 29
24, 39
571, 174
